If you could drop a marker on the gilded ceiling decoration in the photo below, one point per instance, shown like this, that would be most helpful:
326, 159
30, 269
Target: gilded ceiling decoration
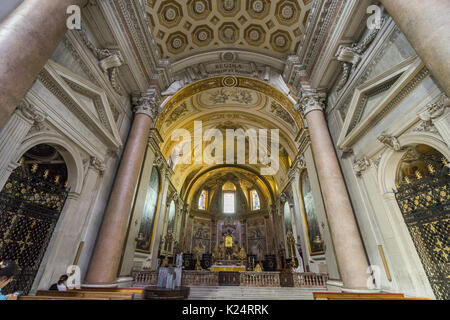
233, 88
182, 28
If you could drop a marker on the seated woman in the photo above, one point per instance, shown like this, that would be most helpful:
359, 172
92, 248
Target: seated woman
8, 270
61, 284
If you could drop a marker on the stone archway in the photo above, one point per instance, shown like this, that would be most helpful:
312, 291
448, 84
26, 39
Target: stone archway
401, 243
31, 203
422, 194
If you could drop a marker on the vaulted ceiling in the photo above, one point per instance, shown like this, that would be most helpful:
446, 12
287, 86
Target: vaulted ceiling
183, 28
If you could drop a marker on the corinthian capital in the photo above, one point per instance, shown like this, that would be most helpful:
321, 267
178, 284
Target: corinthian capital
311, 100
147, 103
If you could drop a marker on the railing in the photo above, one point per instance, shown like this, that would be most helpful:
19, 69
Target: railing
310, 280
142, 278
200, 278
260, 279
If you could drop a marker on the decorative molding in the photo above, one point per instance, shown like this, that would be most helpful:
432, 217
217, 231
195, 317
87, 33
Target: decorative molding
432, 111
97, 164
31, 112
390, 142
361, 165
311, 100
297, 166
109, 61
147, 103
350, 56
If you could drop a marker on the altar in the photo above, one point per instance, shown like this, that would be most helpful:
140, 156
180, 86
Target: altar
235, 268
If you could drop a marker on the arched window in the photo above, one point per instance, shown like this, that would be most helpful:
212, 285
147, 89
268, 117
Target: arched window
228, 202
202, 200
255, 200
229, 191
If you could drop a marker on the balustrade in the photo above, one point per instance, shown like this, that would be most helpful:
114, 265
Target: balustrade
247, 279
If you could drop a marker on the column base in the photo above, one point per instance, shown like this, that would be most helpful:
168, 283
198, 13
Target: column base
334, 285
121, 282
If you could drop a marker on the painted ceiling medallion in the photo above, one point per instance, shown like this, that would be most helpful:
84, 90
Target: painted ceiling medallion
288, 12
203, 35
255, 35
199, 9
230, 81
228, 32
281, 41
229, 8
177, 42
170, 14
258, 9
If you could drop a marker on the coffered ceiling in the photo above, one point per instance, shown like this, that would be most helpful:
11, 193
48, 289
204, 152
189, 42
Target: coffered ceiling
182, 28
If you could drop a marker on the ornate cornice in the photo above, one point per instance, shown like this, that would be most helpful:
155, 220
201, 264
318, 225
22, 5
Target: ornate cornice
31, 112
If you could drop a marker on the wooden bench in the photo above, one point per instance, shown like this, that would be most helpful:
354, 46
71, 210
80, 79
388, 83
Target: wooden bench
33, 298
122, 290
82, 294
361, 296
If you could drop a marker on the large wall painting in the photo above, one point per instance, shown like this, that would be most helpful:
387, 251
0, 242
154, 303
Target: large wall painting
309, 211
148, 216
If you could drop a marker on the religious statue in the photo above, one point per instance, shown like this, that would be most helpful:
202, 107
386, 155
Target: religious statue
165, 262
198, 265
215, 254
179, 260
198, 251
235, 252
242, 255
291, 243
258, 267
222, 252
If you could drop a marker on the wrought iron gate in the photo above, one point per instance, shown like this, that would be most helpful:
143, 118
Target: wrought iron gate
30, 205
425, 204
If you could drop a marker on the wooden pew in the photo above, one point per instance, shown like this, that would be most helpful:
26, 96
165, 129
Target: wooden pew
361, 296
39, 298
86, 294
136, 291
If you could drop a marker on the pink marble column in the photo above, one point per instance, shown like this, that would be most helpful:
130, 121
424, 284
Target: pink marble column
426, 25
104, 266
349, 248
28, 37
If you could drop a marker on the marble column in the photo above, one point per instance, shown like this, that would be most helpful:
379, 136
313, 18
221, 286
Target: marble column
104, 266
349, 248
28, 37
426, 25
13, 134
